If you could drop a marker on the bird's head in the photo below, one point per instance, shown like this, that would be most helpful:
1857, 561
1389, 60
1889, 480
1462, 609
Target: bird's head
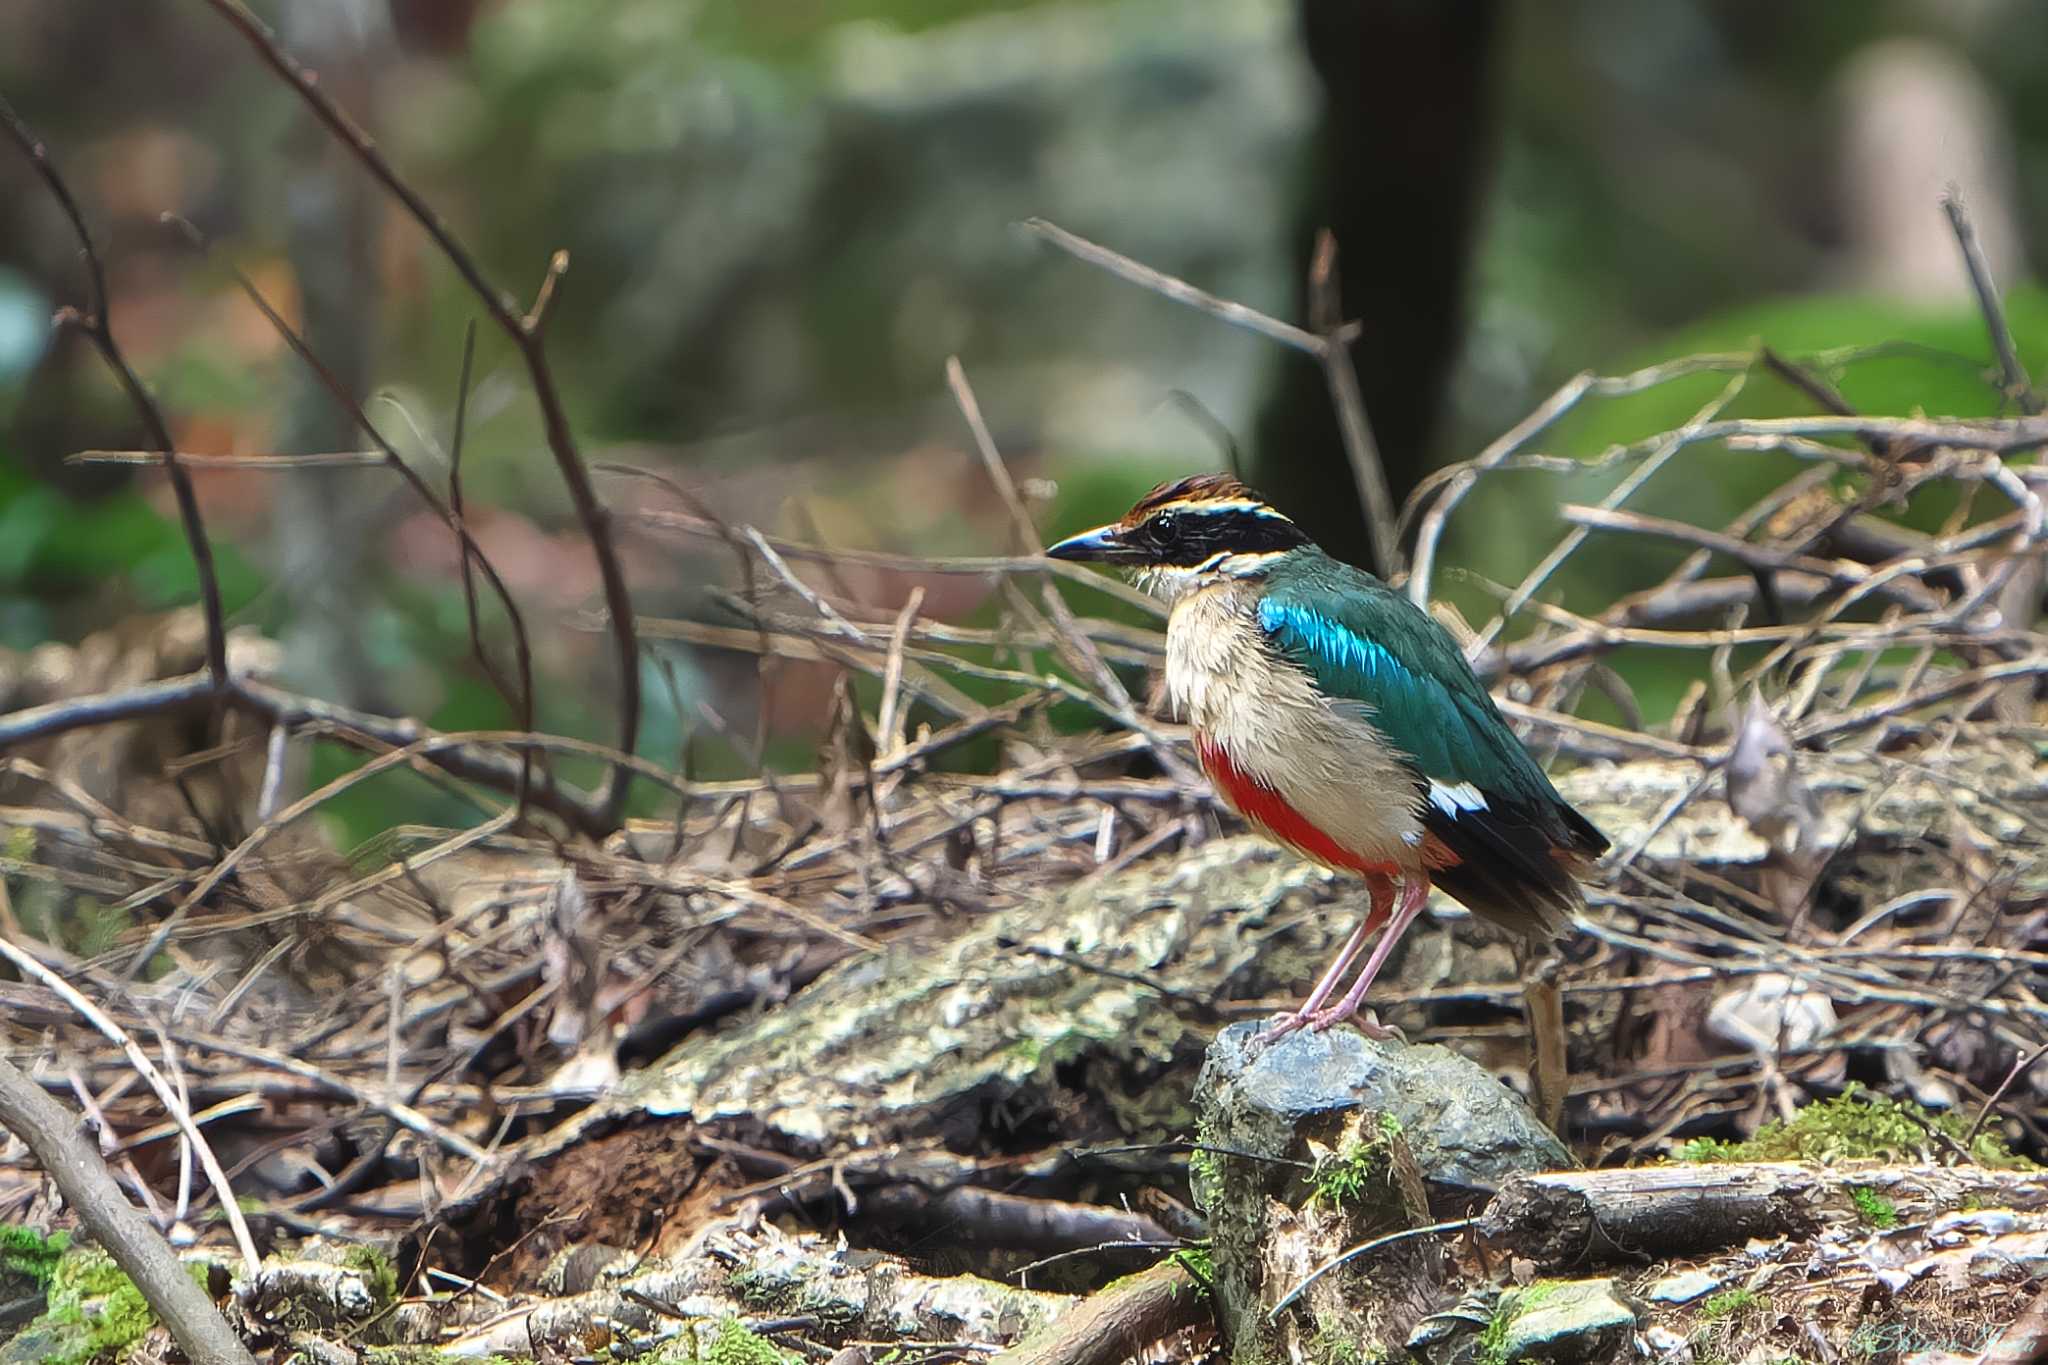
1189, 533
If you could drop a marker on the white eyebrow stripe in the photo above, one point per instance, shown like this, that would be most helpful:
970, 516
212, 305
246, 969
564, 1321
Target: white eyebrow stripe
1259, 509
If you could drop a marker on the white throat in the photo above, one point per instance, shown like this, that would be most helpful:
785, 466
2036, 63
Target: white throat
1170, 583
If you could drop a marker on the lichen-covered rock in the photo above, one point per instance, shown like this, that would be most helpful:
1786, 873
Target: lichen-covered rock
1464, 1127
1559, 1322
1321, 1142
926, 1041
1573, 1323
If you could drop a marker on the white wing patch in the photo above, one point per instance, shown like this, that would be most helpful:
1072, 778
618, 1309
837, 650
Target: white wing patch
1451, 799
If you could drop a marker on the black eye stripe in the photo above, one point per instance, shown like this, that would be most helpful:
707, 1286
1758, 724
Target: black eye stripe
1184, 537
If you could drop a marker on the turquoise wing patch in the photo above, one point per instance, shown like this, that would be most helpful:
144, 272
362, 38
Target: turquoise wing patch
1446, 733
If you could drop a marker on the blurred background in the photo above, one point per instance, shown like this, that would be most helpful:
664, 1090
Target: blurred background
783, 216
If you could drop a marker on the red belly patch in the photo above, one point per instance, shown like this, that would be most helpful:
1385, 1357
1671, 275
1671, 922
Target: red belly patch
1270, 812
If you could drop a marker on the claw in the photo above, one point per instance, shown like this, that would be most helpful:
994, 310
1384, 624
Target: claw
1365, 1021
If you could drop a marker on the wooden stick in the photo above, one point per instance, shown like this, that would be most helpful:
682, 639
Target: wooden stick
56, 1138
1118, 1322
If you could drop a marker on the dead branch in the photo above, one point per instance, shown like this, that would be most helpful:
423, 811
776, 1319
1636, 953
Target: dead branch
2017, 386
1329, 344
58, 1141
471, 761
527, 334
1569, 1218
97, 324
1118, 1322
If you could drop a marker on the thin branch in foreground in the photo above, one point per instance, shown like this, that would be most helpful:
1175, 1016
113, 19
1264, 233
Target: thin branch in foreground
1340, 372
521, 698
1330, 349
2017, 386
60, 1148
96, 323
526, 332
166, 1096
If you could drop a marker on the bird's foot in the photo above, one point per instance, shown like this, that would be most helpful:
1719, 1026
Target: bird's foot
1365, 1021
1286, 1024
1319, 1021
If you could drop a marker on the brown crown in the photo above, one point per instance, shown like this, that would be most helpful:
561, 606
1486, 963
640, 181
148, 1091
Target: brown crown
1193, 488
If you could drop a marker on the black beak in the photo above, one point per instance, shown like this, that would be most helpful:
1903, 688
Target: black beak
1103, 545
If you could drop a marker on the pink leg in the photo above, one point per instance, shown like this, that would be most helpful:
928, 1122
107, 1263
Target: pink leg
1382, 893
1414, 895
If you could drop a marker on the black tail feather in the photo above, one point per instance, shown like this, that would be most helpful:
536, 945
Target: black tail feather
1514, 866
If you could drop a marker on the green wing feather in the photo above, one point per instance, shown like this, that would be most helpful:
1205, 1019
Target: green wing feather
1362, 641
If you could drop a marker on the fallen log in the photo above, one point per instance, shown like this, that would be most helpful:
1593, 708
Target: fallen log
1568, 1218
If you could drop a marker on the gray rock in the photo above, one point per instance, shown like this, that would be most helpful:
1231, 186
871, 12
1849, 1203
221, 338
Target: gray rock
1564, 1322
1567, 1323
1322, 1142
1464, 1127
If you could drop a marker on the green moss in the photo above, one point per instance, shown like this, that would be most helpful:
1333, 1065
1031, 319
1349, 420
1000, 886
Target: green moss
735, 1345
1874, 1208
1204, 1168
1337, 1348
26, 1252
377, 1271
1856, 1125
94, 1310
1729, 1303
1493, 1341
1359, 1164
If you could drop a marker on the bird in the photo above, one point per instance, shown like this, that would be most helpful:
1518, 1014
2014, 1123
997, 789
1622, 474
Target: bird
1343, 722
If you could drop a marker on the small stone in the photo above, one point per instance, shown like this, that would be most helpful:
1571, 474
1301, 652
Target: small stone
1668, 1347
1574, 1323
1683, 1287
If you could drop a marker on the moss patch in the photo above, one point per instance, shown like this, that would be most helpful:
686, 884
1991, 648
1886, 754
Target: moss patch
1729, 1303
378, 1273
31, 1254
1873, 1208
1359, 1165
94, 1311
1857, 1125
735, 1345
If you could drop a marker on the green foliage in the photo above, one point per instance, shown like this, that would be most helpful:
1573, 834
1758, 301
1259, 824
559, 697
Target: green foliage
1857, 1125
1730, 1303
1874, 1208
1196, 1261
34, 1255
735, 1345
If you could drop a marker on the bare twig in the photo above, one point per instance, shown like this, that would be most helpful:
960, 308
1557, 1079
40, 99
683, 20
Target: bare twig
1328, 344
98, 326
1180, 291
2018, 387
165, 1095
519, 693
61, 1149
1368, 470
472, 762
526, 331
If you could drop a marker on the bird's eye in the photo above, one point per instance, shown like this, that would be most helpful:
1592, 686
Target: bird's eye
1166, 525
